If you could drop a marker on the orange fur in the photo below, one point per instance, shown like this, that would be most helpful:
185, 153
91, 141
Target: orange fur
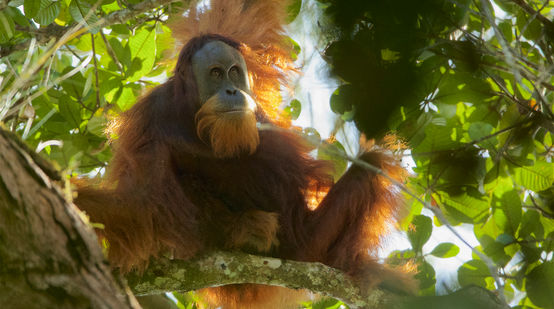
256, 296
254, 229
257, 25
229, 134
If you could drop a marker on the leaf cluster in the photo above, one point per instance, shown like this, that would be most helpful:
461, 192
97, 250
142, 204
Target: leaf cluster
59, 91
469, 86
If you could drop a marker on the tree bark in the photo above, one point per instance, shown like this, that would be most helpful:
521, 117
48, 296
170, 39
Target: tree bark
49, 257
222, 268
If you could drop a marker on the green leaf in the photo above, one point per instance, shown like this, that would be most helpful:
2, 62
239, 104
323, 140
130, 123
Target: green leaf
437, 137
488, 228
31, 8
48, 12
505, 239
126, 99
111, 7
508, 6
511, 204
496, 180
479, 130
109, 87
341, 99
186, 300
97, 124
292, 10
538, 177
122, 53
548, 224
398, 257
468, 207
530, 26
531, 225
445, 250
420, 231
296, 49
494, 249
463, 87
327, 303
389, 55
17, 16
336, 154
425, 275
7, 27
70, 111
293, 109
531, 252
540, 285
164, 39
143, 49
473, 272
549, 242
64, 18
312, 136
505, 27
80, 10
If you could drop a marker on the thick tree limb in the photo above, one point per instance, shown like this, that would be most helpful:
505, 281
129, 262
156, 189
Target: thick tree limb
223, 268
49, 258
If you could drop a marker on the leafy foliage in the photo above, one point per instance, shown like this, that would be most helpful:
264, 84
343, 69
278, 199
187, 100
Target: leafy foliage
467, 84
118, 61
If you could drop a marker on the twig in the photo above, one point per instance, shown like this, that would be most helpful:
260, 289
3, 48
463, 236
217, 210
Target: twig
117, 17
28, 74
95, 71
477, 141
111, 52
540, 209
527, 8
74, 53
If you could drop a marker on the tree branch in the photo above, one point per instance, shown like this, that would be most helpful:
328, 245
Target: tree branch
123, 15
3, 4
117, 17
528, 9
223, 268
97, 90
111, 52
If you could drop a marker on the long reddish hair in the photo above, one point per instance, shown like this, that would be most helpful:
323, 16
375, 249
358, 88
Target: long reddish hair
257, 26
166, 191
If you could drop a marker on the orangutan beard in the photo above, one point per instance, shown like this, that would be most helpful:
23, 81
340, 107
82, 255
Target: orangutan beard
230, 133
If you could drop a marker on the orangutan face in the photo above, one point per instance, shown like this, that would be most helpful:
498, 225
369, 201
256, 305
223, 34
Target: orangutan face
226, 119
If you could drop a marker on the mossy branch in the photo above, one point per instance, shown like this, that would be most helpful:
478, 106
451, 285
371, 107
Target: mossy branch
222, 268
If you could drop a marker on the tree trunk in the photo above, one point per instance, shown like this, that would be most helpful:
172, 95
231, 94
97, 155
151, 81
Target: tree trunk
49, 258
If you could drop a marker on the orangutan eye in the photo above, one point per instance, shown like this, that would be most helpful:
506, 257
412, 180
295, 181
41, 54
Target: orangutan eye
234, 72
216, 72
